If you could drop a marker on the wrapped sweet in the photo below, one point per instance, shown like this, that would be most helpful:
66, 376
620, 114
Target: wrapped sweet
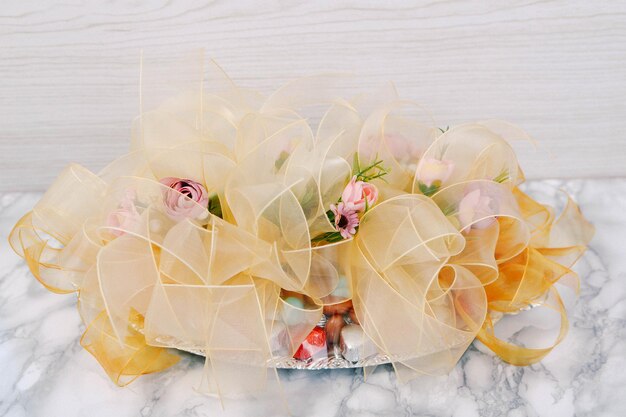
352, 316
340, 308
334, 324
313, 347
355, 344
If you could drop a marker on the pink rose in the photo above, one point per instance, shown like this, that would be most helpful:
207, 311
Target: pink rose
357, 193
476, 205
431, 170
185, 198
126, 217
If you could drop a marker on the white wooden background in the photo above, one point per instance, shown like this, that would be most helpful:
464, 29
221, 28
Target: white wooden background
69, 69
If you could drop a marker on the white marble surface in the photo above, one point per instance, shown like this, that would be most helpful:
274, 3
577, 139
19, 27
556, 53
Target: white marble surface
45, 372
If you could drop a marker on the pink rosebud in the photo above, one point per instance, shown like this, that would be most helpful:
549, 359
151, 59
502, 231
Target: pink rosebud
402, 148
476, 209
346, 220
370, 194
184, 198
357, 193
433, 170
126, 217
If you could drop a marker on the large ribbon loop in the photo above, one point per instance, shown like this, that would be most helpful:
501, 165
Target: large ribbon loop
433, 265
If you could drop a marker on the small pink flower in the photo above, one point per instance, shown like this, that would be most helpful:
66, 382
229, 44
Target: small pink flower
402, 148
346, 220
433, 170
474, 206
184, 198
357, 193
126, 217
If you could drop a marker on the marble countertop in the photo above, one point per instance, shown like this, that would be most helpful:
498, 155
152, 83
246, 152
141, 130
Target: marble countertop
45, 372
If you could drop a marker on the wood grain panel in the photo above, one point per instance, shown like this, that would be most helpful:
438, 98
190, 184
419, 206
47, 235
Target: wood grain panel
69, 73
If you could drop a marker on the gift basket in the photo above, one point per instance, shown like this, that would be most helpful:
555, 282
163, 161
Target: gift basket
263, 232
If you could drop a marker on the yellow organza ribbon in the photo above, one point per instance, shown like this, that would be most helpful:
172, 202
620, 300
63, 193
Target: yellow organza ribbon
426, 274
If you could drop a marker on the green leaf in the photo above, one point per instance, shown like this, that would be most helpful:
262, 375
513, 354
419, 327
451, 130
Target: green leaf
363, 174
448, 210
355, 164
503, 177
330, 237
428, 191
215, 207
282, 158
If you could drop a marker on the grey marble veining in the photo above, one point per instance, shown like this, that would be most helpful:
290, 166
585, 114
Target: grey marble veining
45, 372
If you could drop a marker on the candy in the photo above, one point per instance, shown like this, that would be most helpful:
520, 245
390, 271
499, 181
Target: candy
333, 328
354, 343
353, 317
313, 347
339, 308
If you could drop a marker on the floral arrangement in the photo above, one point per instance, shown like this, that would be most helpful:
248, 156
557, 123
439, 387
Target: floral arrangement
237, 228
